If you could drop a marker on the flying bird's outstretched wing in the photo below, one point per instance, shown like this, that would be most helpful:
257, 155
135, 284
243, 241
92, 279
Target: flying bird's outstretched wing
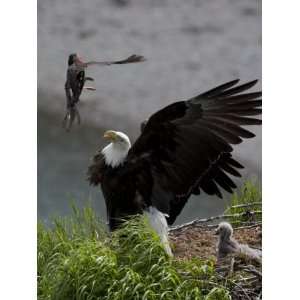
129, 60
186, 146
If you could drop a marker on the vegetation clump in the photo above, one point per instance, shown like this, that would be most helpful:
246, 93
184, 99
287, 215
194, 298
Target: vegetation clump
79, 259
245, 206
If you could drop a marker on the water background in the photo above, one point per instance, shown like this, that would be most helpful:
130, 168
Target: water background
190, 45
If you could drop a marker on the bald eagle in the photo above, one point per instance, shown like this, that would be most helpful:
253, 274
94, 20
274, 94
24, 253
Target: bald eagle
184, 149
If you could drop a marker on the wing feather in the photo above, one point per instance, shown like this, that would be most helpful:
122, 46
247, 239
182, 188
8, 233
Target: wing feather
238, 89
188, 144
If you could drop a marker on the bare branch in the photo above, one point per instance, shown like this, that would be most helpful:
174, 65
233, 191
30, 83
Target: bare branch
246, 205
228, 216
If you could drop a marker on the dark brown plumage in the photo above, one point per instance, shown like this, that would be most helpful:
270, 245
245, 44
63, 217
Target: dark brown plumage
184, 148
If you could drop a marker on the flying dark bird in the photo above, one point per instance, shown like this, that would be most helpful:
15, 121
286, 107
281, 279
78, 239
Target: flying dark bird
76, 79
184, 149
228, 245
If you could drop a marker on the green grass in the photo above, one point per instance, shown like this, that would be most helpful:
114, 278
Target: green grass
78, 259
247, 200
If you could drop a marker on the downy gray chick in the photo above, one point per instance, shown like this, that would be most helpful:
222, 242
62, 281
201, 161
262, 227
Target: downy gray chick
228, 245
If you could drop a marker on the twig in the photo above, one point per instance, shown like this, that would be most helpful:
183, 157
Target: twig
197, 221
247, 223
237, 285
253, 270
231, 266
246, 205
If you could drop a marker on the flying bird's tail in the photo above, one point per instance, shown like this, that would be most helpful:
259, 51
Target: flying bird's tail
129, 60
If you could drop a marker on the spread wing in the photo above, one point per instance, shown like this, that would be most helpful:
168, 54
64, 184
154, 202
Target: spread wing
186, 147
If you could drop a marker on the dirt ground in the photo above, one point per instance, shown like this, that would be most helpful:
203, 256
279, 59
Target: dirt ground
201, 241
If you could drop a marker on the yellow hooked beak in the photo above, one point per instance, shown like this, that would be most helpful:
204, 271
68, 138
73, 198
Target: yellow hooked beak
110, 135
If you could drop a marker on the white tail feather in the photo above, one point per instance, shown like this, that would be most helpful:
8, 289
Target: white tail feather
159, 224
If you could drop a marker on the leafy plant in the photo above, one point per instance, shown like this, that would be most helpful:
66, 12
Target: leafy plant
246, 205
79, 259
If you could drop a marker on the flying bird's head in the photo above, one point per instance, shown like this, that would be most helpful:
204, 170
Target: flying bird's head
116, 152
224, 231
74, 58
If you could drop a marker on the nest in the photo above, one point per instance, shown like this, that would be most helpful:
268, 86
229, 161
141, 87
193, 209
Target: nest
241, 274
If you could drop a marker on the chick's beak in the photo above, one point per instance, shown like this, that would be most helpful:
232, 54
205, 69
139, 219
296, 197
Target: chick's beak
110, 135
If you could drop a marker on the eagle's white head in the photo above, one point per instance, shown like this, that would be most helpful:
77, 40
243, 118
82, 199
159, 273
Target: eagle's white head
116, 152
